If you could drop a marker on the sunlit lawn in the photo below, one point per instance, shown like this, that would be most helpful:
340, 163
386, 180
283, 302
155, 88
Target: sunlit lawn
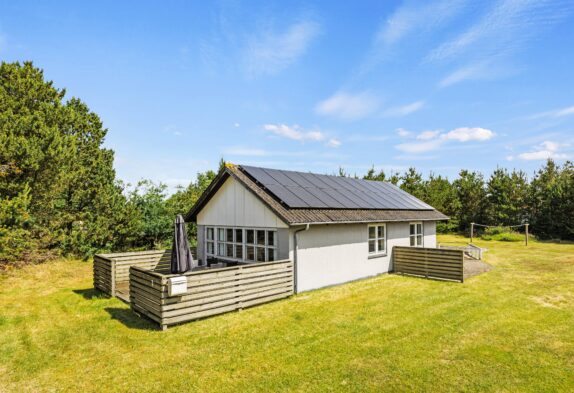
511, 329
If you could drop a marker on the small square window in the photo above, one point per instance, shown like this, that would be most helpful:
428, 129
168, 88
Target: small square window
229, 235
270, 254
221, 249
229, 249
210, 248
239, 236
209, 234
221, 234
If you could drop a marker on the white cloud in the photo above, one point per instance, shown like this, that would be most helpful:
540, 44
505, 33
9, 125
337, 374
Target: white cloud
426, 135
434, 139
236, 125
270, 52
348, 106
294, 132
404, 109
544, 151
404, 133
334, 142
465, 134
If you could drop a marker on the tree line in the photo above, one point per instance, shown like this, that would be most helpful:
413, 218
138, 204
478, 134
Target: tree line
59, 194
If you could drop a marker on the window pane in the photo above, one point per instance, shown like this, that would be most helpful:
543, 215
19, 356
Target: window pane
419, 240
271, 238
210, 248
260, 254
371, 246
220, 234
209, 233
239, 251
270, 254
419, 228
381, 231
250, 236
229, 249
412, 229
372, 232
250, 253
381, 245
221, 249
239, 236
230, 235
412, 241
261, 238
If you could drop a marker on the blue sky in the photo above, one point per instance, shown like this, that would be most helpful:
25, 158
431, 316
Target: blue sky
439, 85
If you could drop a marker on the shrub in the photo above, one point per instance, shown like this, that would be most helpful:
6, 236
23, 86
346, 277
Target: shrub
502, 234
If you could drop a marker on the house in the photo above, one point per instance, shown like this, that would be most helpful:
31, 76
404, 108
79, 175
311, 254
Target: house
334, 229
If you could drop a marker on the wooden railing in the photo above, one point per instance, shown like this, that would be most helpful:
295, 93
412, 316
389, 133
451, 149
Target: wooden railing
438, 263
470, 250
113, 270
209, 291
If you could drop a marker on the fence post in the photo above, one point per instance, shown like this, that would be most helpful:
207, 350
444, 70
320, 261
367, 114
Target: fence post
526, 233
471, 230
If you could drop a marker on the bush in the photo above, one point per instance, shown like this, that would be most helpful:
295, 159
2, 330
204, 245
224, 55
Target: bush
501, 234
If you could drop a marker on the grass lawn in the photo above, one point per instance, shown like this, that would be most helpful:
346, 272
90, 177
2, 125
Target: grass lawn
511, 329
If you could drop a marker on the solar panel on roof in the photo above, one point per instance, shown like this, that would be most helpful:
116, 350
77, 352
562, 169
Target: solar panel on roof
309, 190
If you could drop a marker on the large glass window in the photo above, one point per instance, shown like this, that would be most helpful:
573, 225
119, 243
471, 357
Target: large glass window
242, 244
377, 239
416, 234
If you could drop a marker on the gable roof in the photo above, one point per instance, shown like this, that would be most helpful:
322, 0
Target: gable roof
301, 198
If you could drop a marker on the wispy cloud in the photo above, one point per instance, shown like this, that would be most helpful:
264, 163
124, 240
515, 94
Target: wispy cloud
334, 142
297, 133
270, 52
408, 20
472, 71
404, 110
404, 133
294, 132
426, 135
348, 106
544, 151
506, 28
555, 113
419, 147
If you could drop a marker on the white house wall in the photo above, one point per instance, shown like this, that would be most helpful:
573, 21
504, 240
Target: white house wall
234, 205
334, 254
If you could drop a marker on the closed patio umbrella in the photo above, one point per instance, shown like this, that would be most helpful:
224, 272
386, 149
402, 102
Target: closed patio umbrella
181, 258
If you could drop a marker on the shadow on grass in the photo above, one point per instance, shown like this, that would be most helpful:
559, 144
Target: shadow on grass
131, 320
90, 293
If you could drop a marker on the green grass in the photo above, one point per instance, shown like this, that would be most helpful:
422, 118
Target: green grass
511, 329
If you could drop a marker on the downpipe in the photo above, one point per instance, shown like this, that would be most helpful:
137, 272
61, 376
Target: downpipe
295, 237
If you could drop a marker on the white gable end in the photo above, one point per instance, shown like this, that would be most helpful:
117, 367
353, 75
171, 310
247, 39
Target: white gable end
234, 205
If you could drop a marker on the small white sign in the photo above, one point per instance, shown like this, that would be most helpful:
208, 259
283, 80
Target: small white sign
177, 286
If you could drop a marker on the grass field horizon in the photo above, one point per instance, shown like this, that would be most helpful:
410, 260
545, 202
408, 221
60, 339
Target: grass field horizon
510, 329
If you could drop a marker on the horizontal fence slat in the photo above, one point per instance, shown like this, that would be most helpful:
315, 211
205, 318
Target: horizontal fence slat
429, 262
210, 291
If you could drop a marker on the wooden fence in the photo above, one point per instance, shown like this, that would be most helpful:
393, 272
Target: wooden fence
438, 263
209, 291
111, 271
